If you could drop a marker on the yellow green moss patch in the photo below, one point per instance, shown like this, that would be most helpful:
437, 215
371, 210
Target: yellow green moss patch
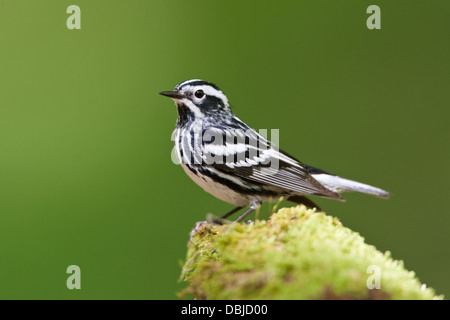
296, 254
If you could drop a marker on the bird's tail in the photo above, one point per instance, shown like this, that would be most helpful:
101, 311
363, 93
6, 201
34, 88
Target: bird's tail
338, 184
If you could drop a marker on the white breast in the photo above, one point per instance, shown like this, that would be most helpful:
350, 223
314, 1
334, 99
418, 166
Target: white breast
218, 190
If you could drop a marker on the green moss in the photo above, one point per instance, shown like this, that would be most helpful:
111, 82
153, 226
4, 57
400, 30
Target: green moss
296, 254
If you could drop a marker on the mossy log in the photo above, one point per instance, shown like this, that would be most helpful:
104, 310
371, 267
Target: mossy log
296, 254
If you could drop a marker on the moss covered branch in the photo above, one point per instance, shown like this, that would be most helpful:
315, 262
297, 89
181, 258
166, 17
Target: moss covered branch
296, 254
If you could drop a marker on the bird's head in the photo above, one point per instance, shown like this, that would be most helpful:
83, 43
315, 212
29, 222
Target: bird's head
198, 99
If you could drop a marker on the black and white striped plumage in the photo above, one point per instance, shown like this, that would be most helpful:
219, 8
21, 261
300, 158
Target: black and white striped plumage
234, 163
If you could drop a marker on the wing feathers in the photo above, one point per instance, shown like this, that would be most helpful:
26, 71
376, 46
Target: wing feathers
257, 161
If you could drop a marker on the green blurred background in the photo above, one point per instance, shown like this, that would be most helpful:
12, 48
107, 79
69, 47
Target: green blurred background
86, 176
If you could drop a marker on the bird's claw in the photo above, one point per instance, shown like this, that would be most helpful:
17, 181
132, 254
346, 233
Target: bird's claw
197, 230
210, 219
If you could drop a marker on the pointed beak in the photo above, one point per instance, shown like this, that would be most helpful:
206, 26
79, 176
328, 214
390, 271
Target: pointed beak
172, 94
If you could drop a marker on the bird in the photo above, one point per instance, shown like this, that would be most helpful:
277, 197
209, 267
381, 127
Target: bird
238, 165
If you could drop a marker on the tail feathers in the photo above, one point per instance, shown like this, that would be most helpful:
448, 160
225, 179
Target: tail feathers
338, 184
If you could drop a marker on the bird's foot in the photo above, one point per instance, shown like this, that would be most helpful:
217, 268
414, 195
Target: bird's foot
199, 228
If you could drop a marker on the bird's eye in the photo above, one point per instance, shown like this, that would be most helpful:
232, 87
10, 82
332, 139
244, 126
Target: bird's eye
199, 94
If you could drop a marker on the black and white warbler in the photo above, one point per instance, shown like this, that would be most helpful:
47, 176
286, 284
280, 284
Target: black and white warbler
233, 162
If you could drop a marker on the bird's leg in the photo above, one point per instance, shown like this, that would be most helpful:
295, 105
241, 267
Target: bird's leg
220, 219
253, 206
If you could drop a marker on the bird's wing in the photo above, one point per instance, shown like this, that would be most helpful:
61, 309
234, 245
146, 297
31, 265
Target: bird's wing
255, 159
